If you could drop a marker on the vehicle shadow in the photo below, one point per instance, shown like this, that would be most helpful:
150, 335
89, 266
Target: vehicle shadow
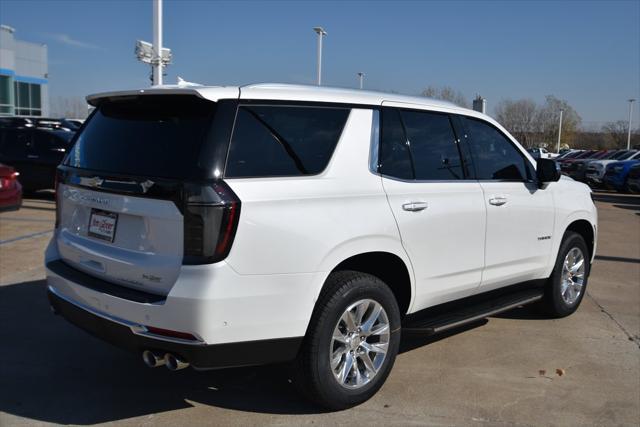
616, 198
631, 207
41, 195
51, 371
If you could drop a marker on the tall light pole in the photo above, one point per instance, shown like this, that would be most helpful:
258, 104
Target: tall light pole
559, 131
629, 130
361, 77
321, 33
156, 62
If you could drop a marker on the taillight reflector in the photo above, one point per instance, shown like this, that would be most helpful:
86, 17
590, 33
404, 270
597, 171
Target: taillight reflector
170, 333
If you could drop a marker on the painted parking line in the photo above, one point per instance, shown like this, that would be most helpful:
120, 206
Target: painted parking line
26, 236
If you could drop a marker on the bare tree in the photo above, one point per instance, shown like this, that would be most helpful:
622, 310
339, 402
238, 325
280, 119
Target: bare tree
446, 93
548, 119
616, 133
69, 107
519, 117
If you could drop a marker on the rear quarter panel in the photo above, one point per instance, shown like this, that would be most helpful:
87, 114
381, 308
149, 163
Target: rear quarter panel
296, 225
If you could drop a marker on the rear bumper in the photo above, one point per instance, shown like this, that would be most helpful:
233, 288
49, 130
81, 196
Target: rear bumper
119, 333
236, 319
11, 200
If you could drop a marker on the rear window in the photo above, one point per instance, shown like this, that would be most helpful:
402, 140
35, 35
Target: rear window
271, 140
156, 136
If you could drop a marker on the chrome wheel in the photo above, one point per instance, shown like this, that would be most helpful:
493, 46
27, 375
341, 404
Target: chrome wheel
359, 344
573, 270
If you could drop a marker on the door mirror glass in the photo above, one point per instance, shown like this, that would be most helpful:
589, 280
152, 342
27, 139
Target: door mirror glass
546, 171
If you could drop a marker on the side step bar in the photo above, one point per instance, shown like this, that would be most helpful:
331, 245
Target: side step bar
472, 312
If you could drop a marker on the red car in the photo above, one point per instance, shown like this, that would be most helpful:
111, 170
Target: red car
10, 189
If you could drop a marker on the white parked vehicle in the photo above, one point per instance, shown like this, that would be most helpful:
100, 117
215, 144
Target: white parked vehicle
541, 153
227, 226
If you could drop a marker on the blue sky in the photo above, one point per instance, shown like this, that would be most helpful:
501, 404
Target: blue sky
585, 52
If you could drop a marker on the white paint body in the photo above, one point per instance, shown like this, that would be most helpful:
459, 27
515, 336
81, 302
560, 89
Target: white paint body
294, 231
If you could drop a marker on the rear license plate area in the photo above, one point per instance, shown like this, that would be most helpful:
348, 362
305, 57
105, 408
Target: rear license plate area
102, 225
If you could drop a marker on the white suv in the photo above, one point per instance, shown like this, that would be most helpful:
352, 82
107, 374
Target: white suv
233, 226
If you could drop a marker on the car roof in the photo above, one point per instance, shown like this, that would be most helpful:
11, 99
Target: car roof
289, 92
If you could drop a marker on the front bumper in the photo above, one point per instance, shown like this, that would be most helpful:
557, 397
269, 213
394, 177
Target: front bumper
119, 333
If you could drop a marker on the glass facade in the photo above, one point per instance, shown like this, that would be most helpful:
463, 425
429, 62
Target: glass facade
28, 99
6, 96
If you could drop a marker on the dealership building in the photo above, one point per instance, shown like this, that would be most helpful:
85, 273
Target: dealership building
23, 76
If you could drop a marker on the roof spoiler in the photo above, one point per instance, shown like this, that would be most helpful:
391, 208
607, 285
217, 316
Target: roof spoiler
96, 99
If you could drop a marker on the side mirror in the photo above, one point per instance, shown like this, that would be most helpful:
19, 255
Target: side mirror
546, 171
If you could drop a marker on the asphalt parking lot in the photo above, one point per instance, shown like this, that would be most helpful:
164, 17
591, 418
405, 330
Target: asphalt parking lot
515, 369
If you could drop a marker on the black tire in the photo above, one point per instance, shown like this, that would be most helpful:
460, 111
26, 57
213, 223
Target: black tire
313, 374
625, 187
553, 303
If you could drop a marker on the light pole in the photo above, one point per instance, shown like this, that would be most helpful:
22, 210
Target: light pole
153, 53
361, 77
559, 131
629, 130
321, 33
156, 62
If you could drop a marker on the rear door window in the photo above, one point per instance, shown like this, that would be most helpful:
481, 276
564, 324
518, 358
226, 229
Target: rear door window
395, 156
418, 145
270, 140
433, 145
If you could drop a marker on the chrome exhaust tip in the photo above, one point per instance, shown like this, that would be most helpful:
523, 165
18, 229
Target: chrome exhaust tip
174, 363
152, 359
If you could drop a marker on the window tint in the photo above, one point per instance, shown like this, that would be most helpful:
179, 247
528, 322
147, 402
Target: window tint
283, 140
494, 155
13, 143
433, 146
150, 135
394, 156
45, 141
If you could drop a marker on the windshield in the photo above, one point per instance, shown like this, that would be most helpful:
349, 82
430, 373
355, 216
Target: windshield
623, 155
154, 136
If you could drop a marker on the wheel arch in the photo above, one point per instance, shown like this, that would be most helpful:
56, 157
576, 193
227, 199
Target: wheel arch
585, 229
386, 266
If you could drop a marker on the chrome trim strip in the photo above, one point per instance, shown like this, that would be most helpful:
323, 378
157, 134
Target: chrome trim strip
135, 328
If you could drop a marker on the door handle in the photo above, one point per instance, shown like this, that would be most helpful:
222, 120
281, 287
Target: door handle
498, 200
31, 156
415, 206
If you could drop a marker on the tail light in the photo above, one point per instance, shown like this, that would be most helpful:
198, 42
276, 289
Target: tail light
9, 181
211, 215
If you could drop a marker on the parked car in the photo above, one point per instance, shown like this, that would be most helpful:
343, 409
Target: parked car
578, 168
633, 179
10, 189
595, 169
34, 153
567, 154
541, 153
216, 227
615, 177
42, 122
71, 124
566, 162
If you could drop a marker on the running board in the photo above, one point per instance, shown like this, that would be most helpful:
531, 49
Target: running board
472, 313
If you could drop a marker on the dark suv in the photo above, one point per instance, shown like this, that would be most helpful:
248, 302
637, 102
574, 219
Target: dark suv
34, 152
